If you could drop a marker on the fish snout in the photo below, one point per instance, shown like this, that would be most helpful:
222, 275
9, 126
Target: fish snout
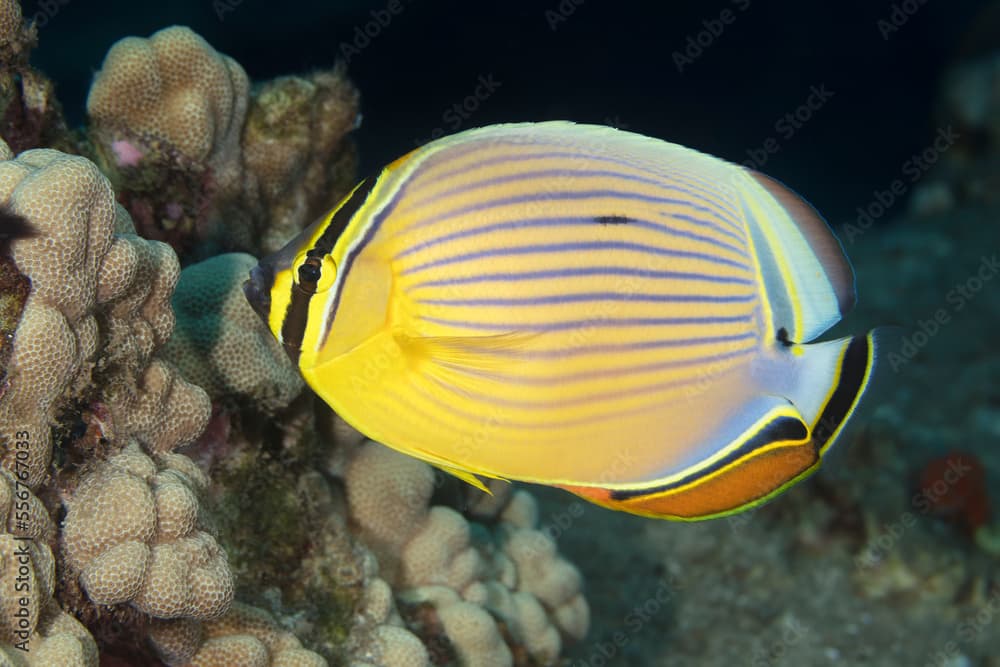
257, 289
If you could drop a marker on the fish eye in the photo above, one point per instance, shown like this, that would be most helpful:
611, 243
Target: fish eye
314, 272
309, 272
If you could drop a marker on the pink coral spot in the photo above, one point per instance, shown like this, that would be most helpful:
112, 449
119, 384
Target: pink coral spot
174, 210
126, 153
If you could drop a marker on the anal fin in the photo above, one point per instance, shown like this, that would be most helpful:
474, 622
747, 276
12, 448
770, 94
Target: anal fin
760, 464
465, 476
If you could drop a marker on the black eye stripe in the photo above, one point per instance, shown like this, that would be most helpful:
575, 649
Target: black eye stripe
293, 326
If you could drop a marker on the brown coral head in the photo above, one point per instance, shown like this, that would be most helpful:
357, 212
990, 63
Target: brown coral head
953, 487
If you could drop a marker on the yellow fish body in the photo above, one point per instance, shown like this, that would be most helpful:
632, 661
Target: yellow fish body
581, 307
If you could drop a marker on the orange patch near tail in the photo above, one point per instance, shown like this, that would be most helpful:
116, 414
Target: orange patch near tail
736, 487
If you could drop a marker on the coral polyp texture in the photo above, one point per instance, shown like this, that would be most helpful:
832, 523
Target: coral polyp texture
16, 38
133, 534
169, 490
166, 104
245, 636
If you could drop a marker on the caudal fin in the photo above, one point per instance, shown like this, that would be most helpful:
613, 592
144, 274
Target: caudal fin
826, 381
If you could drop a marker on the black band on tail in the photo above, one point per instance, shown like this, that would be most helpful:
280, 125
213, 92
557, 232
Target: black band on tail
853, 378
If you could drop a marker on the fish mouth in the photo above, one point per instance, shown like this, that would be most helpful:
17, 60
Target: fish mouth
257, 289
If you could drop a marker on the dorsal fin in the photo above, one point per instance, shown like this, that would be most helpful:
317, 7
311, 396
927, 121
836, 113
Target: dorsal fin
809, 281
821, 239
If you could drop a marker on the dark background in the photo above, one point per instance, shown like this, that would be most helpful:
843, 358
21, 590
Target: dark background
607, 62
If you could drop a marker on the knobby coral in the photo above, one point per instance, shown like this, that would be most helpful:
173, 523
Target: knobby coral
133, 534
493, 595
92, 289
203, 161
97, 311
176, 87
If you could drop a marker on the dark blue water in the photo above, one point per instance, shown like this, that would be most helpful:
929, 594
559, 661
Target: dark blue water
829, 97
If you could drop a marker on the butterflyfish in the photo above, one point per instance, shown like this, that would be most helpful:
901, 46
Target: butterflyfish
582, 307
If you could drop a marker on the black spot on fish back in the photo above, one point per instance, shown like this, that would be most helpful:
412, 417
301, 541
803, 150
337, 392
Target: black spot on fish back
612, 219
